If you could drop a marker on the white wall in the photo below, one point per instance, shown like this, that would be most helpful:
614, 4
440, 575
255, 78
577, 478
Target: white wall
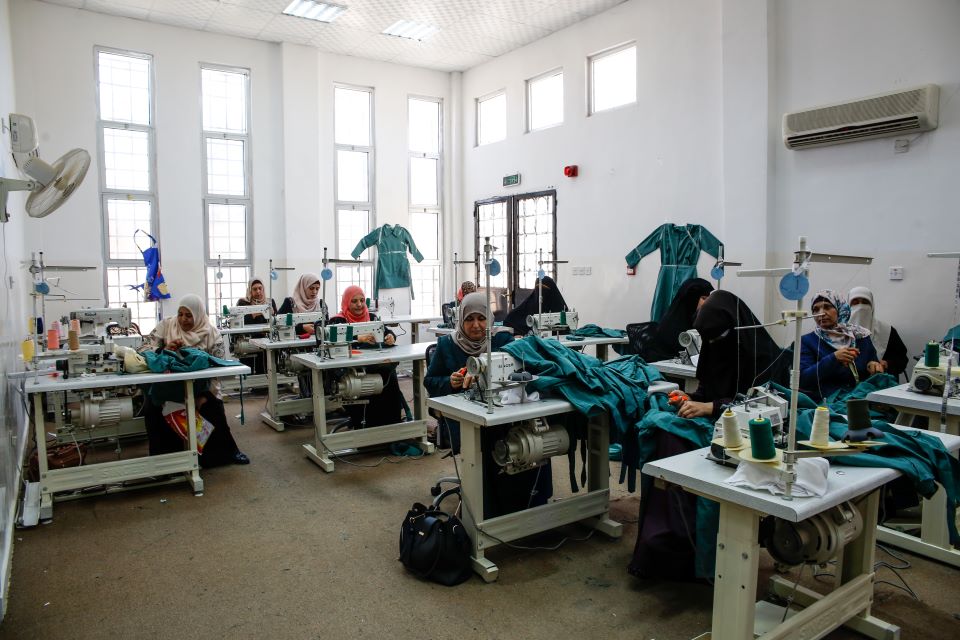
641, 165
55, 85
862, 198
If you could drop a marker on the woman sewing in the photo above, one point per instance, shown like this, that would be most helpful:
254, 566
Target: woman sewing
553, 302
190, 328
256, 296
885, 339
661, 343
836, 355
446, 374
305, 299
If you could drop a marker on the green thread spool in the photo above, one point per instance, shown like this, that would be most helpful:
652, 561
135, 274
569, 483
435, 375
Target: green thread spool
289, 320
368, 302
349, 333
226, 310
333, 333
563, 317
761, 439
931, 355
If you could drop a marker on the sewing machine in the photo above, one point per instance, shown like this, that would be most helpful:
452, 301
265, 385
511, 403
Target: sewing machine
286, 325
235, 315
339, 337
931, 380
760, 402
691, 342
497, 377
548, 324
93, 322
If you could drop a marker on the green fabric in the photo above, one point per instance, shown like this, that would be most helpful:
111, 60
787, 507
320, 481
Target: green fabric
680, 247
393, 269
953, 334
186, 359
595, 331
837, 401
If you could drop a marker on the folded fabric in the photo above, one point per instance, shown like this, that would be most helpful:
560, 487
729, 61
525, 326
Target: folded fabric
517, 395
596, 331
811, 478
186, 359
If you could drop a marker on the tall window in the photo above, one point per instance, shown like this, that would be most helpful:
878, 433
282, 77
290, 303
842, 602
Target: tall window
492, 118
128, 185
613, 78
424, 118
545, 100
353, 140
227, 201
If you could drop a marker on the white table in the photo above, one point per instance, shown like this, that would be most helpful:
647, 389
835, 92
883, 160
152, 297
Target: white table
934, 540
602, 343
677, 369
246, 329
590, 506
254, 380
277, 408
92, 475
412, 320
738, 550
326, 443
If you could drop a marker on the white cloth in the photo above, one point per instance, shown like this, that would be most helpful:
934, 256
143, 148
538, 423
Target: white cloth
865, 315
517, 395
811, 478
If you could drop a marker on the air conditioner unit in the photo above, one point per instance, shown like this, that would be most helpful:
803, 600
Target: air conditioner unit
887, 114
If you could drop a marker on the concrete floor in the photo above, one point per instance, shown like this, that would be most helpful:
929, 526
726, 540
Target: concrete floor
280, 549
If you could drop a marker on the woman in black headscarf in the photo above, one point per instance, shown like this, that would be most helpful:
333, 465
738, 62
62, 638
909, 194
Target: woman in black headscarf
731, 361
662, 343
553, 302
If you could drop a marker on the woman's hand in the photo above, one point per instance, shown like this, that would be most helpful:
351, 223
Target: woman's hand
174, 345
875, 367
846, 355
694, 409
456, 379
390, 340
309, 329
367, 338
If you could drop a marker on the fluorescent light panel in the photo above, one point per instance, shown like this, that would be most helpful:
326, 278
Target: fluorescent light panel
409, 29
319, 11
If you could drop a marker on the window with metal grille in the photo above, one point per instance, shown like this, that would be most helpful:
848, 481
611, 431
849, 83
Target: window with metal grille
227, 179
128, 186
425, 144
354, 201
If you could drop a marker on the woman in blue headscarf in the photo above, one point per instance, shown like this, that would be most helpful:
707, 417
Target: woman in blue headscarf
836, 355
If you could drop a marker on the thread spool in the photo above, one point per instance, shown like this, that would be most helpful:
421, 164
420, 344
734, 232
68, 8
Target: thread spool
74, 326
27, 349
761, 439
931, 355
53, 339
820, 431
39, 326
289, 320
73, 340
858, 415
732, 438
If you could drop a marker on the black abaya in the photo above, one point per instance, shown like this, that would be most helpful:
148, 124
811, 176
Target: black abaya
553, 302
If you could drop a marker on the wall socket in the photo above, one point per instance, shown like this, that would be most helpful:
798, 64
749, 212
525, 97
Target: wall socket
582, 271
896, 273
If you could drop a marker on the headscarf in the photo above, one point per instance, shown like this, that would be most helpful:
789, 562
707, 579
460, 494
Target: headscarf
202, 335
843, 334
678, 318
732, 361
345, 313
301, 294
250, 297
466, 287
865, 315
553, 302
475, 302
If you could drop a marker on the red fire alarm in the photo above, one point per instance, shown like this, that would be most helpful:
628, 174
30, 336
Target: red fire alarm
570, 171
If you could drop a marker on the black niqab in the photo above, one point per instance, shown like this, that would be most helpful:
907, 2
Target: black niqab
553, 302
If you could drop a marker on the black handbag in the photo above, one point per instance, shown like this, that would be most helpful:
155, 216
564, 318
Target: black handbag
434, 545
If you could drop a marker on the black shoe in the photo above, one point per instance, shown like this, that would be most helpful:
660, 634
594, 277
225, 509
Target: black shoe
240, 458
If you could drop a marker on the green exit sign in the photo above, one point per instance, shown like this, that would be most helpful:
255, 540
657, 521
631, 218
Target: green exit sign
511, 180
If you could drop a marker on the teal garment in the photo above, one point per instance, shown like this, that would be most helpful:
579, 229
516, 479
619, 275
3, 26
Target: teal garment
661, 416
393, 269
953, 335
186, 359
595, 331
618, 387
680, 247
837, 401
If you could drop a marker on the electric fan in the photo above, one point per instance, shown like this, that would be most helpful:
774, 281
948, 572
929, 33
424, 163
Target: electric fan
50, 185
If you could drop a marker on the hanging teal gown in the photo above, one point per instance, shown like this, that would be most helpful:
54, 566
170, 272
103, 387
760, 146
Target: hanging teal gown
680, 247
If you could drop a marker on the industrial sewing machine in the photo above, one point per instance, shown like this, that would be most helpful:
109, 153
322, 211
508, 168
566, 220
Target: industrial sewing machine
337, 341
550, 324
760, 402
931, 380
691, 342
285, 326
234, 316
93, 322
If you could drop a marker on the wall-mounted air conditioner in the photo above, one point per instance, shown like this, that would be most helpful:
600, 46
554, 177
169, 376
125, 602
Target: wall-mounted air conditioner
887, 114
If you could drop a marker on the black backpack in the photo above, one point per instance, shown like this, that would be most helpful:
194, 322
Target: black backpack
434, 545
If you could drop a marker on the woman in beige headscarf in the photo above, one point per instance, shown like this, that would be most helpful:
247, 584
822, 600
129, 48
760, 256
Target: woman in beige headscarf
191, 328
305, 299
256, 295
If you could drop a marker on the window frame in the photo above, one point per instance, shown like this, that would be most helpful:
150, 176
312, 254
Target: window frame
419, 208
591, 108
528, 111
476, 112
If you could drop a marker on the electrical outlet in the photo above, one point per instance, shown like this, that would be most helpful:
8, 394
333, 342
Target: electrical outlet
896, 273
588, 271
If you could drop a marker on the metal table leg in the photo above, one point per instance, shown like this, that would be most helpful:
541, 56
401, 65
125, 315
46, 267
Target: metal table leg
317, 452
193, 476
271, 416
471, 490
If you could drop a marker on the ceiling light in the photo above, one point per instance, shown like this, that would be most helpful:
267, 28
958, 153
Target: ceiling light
320, 11
409, 29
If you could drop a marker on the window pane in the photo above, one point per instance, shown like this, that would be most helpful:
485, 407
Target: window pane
493, 223
124, 88
358, 275
226, 290
426, 286
423, 181
535, 232
227, 231
124, 217
126, 159
124, 289
546, 101
224, 101
425, 229
351, 116
352, 180
424, 125
614, 79
492, 119
225, 167
351, 227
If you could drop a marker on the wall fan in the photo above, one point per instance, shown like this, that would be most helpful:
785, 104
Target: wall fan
50, 185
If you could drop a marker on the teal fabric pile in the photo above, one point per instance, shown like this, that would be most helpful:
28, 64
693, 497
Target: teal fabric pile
186, 359
596, 331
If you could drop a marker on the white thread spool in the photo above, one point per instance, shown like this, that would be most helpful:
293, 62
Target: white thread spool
732, 438
820, 431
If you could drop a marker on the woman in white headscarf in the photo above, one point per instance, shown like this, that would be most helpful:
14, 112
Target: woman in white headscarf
305, 299
191, 328
886, 340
